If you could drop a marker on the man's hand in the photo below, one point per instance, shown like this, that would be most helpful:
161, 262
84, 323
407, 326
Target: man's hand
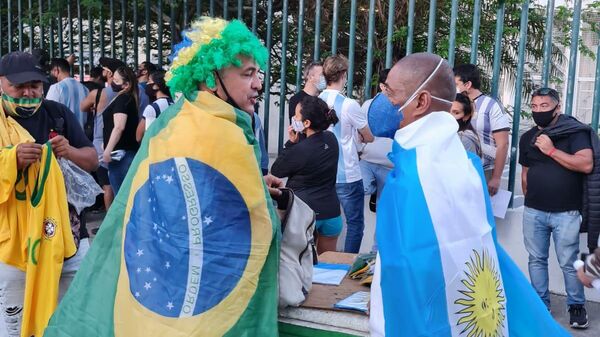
585, 280
28, 153
106, 157
493, 186
544, 143
273, 184
61, 147
293, 135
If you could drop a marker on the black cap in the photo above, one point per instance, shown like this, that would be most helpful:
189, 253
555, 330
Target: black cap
110, 63
21, 67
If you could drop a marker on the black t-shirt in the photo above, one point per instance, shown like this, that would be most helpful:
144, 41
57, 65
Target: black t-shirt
55, 116
123, 103
294, 100
311, 166
550, 186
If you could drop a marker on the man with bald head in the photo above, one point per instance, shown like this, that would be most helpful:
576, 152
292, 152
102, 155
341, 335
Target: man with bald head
439, 270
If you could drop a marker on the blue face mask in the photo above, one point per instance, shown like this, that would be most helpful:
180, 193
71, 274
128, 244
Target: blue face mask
384, 117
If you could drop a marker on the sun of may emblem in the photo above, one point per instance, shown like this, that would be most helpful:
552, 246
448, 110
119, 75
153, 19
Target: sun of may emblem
483, 304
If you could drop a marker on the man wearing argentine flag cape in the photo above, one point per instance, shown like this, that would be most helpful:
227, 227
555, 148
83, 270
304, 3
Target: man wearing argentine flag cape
440, 270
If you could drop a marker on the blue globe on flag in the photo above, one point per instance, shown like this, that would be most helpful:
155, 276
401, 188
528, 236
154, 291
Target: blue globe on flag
188, 239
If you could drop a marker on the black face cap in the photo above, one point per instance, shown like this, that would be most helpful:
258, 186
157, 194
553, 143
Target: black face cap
110, 63
21, 67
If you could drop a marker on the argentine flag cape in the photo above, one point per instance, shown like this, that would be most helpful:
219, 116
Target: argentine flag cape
440, 270
189, 247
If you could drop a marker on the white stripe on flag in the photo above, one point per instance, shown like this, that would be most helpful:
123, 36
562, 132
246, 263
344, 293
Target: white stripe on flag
194, 219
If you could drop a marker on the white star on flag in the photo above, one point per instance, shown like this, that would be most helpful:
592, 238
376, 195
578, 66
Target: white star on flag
137, 294
157, 178
208, 220
183, 217
154, 279
139, 270
164, 176
169, 179
167, 235
170, 305
140, 252
168, 265
148, 269
149, 199
155, 226
147, 285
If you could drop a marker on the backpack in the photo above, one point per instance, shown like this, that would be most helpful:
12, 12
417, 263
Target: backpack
298, 253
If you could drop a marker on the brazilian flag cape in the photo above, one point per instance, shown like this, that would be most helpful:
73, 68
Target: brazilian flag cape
190, 244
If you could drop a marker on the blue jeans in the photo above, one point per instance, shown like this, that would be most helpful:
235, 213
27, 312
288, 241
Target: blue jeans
564, 227
352, 198
117, 170
374, 176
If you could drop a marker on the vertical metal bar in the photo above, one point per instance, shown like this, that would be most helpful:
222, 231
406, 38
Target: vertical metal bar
80, 38
240, 8
299, 55
123, 32
61, 49
334, 28
431, 30
20, 21
172, 23
41, 24
548, 43
253, 16
475, 34
136, 52
317, 50
368, 75
390, 31
211, 9
411, 27
350, 84
147, 18
101, 15
573, 57
498, 48
283, 77
9, 21
90, 37
198, 8
225, 9
159, 44
185, 14
267, 88
30, 7
112, 28
596, 106
518, 93
452, 38
70, 18
51, 31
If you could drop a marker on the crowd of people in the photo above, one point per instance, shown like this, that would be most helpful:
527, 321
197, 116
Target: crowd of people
335, 156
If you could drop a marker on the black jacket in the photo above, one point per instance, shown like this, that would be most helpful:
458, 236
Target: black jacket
591, 186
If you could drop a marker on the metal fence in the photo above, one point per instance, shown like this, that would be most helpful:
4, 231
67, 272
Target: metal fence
298, 31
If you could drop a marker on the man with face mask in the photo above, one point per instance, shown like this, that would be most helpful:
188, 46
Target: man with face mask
143, 72
555, 166
314, 83
67, 90
435, 230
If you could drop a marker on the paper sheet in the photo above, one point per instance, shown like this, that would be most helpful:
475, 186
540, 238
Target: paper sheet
328, 273
500, 203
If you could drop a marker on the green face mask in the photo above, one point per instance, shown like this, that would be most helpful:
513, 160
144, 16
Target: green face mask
20, 107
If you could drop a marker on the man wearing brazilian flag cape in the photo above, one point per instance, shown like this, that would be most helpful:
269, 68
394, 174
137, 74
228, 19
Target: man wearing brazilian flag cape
189, 247
440, 270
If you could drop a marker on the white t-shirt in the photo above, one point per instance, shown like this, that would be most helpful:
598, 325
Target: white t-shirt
150, 113
490, 118
351, 119
377, 151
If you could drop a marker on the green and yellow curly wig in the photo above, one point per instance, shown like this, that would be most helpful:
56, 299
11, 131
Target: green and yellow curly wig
210, 45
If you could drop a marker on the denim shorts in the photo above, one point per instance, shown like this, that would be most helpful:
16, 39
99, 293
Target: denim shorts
330, 227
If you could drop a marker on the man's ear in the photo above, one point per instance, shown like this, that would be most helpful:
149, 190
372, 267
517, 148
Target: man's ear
309, 123
423, 103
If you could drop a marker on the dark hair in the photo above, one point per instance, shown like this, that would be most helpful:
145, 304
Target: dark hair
468, 73
547, 92
129, 77
151, 67
309, 67
158, 77
96, 72
334, 67
319, 114
383, 75
468, 108
61, 64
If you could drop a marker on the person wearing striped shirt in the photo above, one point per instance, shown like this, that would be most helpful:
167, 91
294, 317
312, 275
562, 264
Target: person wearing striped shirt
353, 122
67, 90
491, 123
